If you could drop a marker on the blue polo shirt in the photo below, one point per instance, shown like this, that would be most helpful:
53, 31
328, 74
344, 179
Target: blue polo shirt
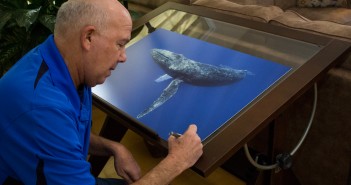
44, 121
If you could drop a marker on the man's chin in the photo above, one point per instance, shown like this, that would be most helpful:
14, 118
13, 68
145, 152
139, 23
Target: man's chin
100, 81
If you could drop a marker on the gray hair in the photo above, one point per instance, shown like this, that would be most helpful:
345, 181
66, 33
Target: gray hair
75, 14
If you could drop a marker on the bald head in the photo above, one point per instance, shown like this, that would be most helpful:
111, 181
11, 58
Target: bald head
91, 36
73, 15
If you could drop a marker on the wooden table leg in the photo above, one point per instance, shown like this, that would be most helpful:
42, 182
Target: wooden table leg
112, 130
349, 180
284, 176
267, 145
261, 146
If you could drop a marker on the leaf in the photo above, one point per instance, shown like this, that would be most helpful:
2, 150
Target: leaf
48, 21
4, 17
12, 43
25, 18
7, 56
59, 2
15, 3
37, 3
23, 25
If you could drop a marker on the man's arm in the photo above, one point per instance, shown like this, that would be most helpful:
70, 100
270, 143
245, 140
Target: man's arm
125, 164
183, 153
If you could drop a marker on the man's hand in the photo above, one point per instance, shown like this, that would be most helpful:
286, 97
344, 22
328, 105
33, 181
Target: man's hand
125, 165
187, 148
183, 152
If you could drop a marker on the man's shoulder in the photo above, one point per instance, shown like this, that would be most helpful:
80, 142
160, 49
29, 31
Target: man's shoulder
24, 89
47, 94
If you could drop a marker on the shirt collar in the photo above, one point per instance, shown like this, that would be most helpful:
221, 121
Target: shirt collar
59, 72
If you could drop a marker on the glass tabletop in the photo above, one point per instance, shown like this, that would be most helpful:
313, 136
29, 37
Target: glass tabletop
266, 68
273, 47
240, 66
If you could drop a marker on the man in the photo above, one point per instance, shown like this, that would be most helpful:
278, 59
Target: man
45, 110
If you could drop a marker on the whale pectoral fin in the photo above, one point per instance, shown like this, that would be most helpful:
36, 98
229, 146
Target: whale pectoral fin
163, 78
167, 93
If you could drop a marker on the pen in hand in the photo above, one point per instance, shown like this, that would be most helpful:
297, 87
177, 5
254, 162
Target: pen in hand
176, 135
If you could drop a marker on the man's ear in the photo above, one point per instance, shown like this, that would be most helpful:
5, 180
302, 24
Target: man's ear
87, 35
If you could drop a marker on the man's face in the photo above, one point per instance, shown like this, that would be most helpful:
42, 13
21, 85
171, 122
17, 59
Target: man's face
107, 50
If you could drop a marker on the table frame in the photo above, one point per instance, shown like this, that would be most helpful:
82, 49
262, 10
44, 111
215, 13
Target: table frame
239, 130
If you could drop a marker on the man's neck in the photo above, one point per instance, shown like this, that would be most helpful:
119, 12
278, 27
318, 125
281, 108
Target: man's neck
71, 57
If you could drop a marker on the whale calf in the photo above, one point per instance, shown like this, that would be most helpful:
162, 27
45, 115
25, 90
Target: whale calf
182, 69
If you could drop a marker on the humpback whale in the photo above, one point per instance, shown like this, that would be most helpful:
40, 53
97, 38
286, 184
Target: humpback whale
181, 69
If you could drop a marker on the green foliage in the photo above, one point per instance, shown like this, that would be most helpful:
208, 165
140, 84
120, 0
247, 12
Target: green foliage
23, 25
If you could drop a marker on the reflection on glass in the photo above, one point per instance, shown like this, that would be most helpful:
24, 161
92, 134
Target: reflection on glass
286, 51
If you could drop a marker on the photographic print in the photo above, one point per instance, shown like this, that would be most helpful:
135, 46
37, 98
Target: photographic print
171, 80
